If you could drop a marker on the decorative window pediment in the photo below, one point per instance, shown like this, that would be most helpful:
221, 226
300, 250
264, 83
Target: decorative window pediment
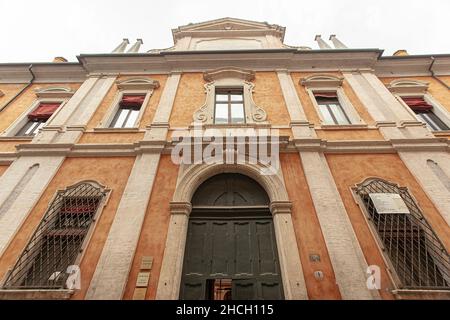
55, 92
230, 78
321, 81
410, 86
137, 84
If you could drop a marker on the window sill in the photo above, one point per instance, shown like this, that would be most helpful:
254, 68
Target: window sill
35, 294
115, 130
342, 126
402, 294
233, 125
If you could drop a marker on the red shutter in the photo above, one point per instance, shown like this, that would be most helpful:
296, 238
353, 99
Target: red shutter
44, 111
325, 95
132, 101
418, 104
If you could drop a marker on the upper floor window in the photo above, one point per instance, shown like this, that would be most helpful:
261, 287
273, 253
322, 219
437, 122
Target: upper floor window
229, 99
424, 111
330, 108
128, 111
414, 251
57, 242
229, 106
38, 118
330, 101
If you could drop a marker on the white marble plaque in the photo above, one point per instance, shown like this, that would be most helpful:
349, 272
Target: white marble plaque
389, 203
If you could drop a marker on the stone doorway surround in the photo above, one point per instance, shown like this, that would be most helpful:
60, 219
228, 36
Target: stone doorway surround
190, 177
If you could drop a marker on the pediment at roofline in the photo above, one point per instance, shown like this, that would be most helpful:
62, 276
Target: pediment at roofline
227, 25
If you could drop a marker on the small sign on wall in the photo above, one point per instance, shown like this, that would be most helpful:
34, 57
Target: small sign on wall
389, 203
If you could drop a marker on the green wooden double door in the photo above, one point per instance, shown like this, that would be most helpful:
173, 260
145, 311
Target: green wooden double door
234, 255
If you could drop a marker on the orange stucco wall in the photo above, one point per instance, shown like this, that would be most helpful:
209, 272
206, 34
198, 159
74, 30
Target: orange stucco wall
309, 108
111, 137
307, 230
3, 169
435, 89
349, 170
104, 106
152, 240
10, 145
191, 96
111, 172
24, 101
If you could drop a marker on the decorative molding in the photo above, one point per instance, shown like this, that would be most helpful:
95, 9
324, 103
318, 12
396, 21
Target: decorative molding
411, 86
1, 93
229, 78
137, 83
229, 72
54, 92
322, 80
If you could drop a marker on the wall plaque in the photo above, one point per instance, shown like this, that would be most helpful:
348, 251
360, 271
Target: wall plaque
139, 293
146, 263
389, 203
142, 279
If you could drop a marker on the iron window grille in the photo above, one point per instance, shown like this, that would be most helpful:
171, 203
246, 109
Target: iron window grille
418, 257
57, 242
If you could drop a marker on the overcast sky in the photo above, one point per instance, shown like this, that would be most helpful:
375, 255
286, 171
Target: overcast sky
35, 31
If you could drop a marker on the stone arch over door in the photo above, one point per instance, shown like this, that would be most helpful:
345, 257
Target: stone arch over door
189, 179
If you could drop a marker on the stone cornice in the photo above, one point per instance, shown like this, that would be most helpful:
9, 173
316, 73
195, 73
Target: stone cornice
165, 147
257, 60
44, 72
413, 65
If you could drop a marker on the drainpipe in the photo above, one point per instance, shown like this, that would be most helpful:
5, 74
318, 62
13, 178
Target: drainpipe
434, 76
30, 69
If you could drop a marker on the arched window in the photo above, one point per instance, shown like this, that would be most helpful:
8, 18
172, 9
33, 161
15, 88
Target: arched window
413, 249
57, 242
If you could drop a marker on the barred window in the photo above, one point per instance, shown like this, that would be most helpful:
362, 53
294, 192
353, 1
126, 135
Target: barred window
57, 241
418, 257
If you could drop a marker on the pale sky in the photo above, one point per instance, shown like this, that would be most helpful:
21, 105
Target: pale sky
37, 31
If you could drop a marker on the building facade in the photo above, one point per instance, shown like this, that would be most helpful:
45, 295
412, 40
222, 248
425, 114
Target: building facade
229, 166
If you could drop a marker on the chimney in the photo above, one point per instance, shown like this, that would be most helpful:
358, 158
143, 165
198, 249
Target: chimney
322, 44
135, 47
59, 59
122, 46
401, 52
336, 43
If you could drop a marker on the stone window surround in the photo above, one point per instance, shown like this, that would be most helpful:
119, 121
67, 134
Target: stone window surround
325, 83
416, 88
229, 78
133, 86
58, 294
22, 120
396, 289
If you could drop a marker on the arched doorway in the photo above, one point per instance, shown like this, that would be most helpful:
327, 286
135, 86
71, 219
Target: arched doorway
231, 250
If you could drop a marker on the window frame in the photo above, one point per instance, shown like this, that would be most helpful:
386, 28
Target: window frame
229, 91
115, 106
23, 120
350, 112
331, 112
390, 269
87, 239
440, 112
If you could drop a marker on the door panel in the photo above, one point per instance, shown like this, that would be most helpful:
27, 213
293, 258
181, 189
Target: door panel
241, 249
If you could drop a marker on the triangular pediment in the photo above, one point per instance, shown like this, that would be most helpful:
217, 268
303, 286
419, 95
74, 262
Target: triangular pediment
227, 24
